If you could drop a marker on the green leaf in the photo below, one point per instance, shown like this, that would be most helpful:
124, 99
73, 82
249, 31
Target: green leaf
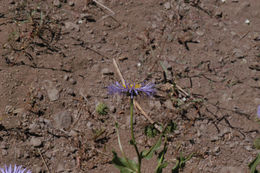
171, 126
257, 143
150, 131
254, 164
181, 161
161, 164
148, 154
124, 165
160, 167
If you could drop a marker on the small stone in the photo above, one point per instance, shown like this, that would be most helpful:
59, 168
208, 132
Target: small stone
73, 133
60, 167
106, 71
112, 109
218, 14
89, 125
214, 138
62, 120
72, 81
71, 3
71, 26
216, 150
248, 148
36, 142
57, 3
39, 169
167, 5
52, 92
9, 109
167, 65
123, 58
247, 21
66, 77
238, 53
169, 104
4, 152
71, 92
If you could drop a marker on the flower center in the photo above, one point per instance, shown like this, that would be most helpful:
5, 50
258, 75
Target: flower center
136, 86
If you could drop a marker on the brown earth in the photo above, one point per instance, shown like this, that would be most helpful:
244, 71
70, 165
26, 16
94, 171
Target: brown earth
56, 62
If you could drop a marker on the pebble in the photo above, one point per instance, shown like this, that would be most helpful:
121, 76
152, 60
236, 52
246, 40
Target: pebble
89, 125
71, 92
4, 152
62, 120
216, 150
106, 71
167, 5
238, 53
52, 92
248, 148
168, 104
72, 81
167, 65
36, 142
71, 26
112, 109
60, 167
57, 3
71, 3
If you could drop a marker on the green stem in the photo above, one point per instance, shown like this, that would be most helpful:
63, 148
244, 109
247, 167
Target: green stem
132, 133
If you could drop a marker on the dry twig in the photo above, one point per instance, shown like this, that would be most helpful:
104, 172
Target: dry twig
44, 161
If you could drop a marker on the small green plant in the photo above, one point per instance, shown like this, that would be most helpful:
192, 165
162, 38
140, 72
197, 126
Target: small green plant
181, 161
102, 109
150, 131
124, 164
252, 165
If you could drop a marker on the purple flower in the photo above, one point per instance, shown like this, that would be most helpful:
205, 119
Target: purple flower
258, 112
17, 169
132, 89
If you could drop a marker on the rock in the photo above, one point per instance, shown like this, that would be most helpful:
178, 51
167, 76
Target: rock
167, 65
106, 71
66, 77
71, 92
57, 3
238, 53
9, 109
4, 152
248, 148
36, 142
72, 81
112, 109
89, 125
52, 92
218, 14
62, 120
167, 5
39, 169
33, 128
230, 169
60, 167
216, 150
73, 133
168, 104
72, 26
71, 3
